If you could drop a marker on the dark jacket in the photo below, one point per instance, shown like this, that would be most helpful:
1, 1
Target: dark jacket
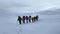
23, 17
26, 17
19, 18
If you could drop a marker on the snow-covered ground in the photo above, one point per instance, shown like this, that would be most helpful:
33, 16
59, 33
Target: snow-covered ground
48, 11
47, 24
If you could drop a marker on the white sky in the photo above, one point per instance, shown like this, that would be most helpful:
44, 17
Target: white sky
26, 6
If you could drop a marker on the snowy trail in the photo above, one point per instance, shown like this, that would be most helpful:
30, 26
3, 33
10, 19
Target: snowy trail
48, 24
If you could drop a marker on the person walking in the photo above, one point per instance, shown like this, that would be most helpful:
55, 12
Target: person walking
23, 19
27, 19
32, 19
19, 19
37, 17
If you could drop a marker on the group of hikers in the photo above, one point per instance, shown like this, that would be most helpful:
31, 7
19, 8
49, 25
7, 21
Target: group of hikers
27, 19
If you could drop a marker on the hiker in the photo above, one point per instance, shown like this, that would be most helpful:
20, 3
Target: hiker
29, 18
32, 19
23, 19
26, 19
19, 19
37, 17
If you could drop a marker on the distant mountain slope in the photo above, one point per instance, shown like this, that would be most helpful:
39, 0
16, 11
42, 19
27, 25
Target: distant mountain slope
50, 12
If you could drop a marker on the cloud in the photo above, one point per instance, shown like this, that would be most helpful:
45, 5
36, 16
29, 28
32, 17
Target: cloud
26, 6
11, 7
11, 3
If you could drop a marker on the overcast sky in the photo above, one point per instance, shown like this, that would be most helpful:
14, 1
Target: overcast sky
25, 6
